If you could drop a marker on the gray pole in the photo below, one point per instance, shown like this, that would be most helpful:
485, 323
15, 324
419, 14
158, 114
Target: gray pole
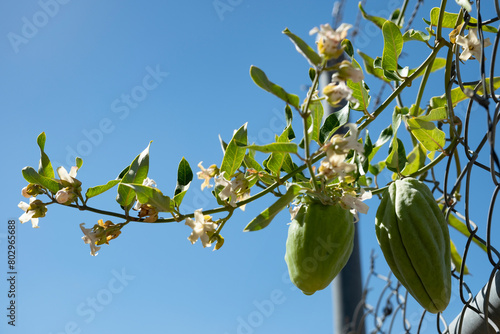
472, 322
347, 287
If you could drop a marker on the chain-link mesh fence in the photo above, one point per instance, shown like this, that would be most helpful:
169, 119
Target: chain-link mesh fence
471, 175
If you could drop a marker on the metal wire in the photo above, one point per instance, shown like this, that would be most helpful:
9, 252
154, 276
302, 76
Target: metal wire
385, 308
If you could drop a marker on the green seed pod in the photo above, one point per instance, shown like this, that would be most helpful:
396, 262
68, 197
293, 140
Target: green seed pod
320, 241
413, 235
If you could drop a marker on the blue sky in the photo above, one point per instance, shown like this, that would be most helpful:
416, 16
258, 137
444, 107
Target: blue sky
102, 79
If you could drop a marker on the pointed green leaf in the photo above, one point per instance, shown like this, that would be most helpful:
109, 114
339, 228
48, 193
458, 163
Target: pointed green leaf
461, 227
97, 190
78, 162
149, 195
277, 159
45, 166
416, 35
379, 21
333, 122
396, 160
250, 162
384, 137
347, 45
32, 176
427, 134
370, 69
275, 147
235, 152
436, 114
450, 19
438, 64
266, 216
136, 173
416, 160
457, 259
316, 116
393, 45
303, 48
360, 91
184, 178
261, 80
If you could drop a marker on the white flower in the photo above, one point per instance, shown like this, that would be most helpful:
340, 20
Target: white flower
24, 192
356, 203
227, 192
328, 40
338, 91
32, 211
90, 237
148, 183
294, 210
471, 45
68, 177
62, 196
347, 71
206, 175
200, 228
465, 4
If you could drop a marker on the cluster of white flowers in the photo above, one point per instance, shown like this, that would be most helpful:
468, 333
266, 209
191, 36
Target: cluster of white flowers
334, 164
337, 90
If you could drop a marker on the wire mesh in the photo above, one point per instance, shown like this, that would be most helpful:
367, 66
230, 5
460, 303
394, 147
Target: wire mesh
457, 188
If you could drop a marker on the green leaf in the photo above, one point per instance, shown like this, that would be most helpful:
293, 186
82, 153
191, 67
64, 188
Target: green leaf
275, 147
457, 259
396, 159
304, 49
333, 122
379, 21
416, 35
235, 152
277, 159
438, 64
266, 216
450, 19
436, 114
370, 69
78, 162
316, 116
384, 137
184, 178
416, 160
32, 176
347, 45
461, 227
97, 190
427, 134
393, 45
137, 172
261, 80
250, 162
45, 166
150, 195
360, 91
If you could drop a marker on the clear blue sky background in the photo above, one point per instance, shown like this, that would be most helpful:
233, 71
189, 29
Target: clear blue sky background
69, 78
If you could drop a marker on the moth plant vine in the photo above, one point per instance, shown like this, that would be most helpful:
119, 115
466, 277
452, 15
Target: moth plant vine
321, 168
